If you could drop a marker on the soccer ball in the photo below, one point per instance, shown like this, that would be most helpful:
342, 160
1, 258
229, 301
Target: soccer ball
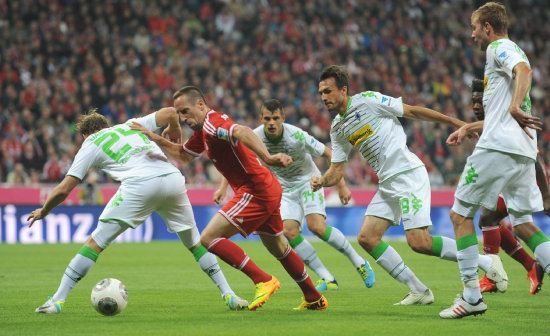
109, 296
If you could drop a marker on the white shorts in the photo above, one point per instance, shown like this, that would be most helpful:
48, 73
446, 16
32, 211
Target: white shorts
300, 201
489, 173
135, 201
404, 196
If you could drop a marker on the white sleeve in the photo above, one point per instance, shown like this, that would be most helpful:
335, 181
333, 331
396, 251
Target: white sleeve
384, 104
83, 160
507, 56
340, 149
313, 146
149, 121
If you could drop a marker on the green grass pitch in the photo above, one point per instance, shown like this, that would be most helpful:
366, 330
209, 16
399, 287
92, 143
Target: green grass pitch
170, 295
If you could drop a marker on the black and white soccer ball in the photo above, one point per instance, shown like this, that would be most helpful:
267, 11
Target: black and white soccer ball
109, 296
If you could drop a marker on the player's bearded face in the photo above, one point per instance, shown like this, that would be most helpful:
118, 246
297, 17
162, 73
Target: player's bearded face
332, 97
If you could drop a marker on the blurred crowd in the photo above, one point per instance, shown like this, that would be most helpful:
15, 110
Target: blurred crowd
59, 58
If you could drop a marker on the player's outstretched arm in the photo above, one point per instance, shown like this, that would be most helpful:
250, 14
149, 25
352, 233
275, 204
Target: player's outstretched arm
168, 115
219, 195
468, 130
251, 140
343, 191
522, 83
542, 181
58, 195
173, 150
333, 175
426, 114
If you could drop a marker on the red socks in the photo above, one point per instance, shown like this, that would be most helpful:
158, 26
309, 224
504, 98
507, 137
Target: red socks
232, 254
295, 267
511, 245
491, 239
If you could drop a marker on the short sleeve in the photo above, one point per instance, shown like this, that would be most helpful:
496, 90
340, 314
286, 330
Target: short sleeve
340, 149
194, 145
507, 56
384, 104
83, 160
313, 146
149, 121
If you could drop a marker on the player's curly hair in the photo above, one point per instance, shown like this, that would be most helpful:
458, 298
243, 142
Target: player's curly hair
495, 14
340, 75
477, 85
91, 122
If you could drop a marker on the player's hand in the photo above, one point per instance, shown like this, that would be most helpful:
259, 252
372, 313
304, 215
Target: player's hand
172, 133
316, 183
546, 204
218, 196
456, 137
139, 127
37, 214
280, 160
525, 121
345, 194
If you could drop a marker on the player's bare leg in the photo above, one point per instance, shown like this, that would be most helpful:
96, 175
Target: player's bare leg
370, 238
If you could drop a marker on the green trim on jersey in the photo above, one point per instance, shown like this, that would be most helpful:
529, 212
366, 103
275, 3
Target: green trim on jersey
466, 241
199, 251
437, 246
296, 241
88, 252
536, 239
347, 107
379, 250
275, 141
327, 233
158, 126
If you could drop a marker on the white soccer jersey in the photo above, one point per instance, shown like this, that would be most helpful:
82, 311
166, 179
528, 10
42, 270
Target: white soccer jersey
301, 146
371, 125
501, 132
122, 153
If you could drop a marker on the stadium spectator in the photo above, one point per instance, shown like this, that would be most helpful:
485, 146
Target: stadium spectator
401, 47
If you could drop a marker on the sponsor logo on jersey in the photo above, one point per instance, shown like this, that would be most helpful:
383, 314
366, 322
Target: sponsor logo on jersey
361, 135
502, 55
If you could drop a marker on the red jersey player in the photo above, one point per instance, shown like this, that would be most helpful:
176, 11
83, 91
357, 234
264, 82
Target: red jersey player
495, 231
255, 206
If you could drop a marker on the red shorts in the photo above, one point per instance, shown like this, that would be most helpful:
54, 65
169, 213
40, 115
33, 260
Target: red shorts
251, 214
501, 206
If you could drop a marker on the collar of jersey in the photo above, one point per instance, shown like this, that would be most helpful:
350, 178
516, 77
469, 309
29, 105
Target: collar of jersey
347, 107
275, 141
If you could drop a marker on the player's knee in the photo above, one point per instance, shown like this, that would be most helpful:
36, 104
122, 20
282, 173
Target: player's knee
290, 232
317, 226
368, 241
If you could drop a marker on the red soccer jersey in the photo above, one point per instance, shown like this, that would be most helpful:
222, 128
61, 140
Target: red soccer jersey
236, 162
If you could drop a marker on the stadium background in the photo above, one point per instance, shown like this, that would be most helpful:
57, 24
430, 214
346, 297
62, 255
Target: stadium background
61, 58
